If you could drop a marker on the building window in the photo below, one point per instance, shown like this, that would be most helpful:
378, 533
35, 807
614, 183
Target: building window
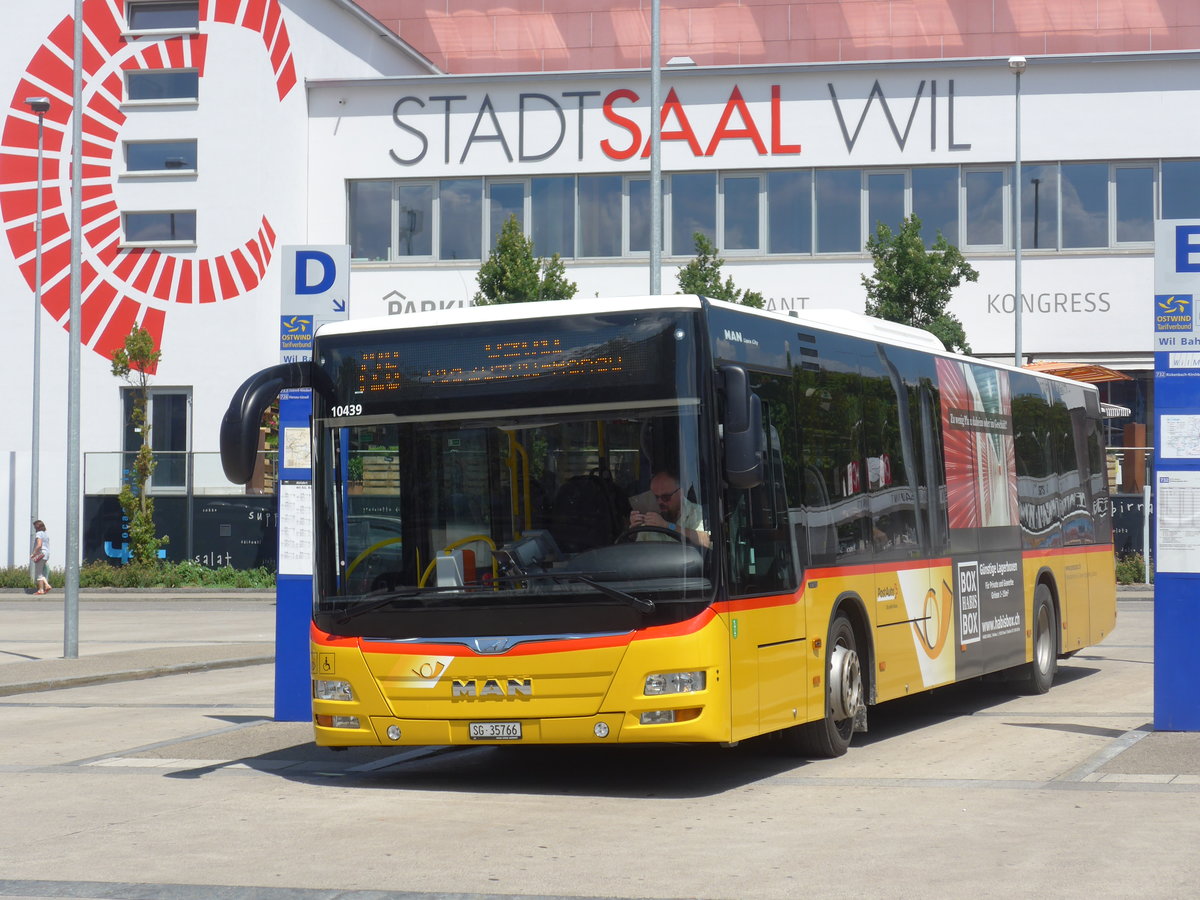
600, 215
1134, 187
789, 212
162, 15
985, 208
1181, 189
165, 227
1064, 206
415, 209
1039, 207
162, 84
370, 220
740, 195
839, 210
460, 207
170, 431
885, 201
935, 202
637, 193
160, 156
1084, 205
552, 215
693, 209
505, 199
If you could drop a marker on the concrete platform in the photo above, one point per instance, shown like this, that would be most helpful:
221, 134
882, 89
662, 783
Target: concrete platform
169, 643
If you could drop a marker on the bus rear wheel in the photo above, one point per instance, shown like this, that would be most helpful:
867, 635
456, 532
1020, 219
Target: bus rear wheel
1039, 674
830, 736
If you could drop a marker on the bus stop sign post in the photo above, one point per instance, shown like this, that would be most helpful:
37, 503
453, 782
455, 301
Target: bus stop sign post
315, 290
1176, 475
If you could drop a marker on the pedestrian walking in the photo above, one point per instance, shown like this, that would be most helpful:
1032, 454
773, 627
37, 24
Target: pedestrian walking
41, 557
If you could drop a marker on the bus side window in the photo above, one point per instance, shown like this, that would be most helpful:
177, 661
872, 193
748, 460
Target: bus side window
828, 410
762, 557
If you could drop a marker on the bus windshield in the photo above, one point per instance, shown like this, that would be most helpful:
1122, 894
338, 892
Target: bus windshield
573, 502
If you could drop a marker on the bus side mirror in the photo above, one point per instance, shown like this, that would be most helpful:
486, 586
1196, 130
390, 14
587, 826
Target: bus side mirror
239, 427
742, 430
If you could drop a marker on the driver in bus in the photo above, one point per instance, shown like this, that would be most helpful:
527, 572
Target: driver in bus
675, 512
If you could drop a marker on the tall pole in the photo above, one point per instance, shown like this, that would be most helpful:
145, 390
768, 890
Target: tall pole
1017, 65
40, 105
656, 211
71, 593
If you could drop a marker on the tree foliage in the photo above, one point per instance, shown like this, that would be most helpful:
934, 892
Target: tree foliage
512, 274
133, 362
703, 276
913, 285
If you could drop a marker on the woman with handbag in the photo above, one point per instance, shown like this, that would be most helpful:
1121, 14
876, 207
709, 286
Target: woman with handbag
41, 556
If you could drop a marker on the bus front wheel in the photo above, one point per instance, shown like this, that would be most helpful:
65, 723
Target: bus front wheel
830, 735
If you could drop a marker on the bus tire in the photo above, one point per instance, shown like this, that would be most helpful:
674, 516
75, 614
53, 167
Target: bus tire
829, 736
1039, 673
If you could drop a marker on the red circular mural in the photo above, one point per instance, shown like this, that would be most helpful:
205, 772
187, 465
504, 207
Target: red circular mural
120, 287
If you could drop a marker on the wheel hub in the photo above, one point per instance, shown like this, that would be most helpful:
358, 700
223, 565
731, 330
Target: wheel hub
845, 684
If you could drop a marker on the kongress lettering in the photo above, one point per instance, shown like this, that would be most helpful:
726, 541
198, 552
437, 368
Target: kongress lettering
1052, 302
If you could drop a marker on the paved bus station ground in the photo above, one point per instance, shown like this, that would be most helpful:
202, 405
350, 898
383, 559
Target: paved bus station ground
152, 766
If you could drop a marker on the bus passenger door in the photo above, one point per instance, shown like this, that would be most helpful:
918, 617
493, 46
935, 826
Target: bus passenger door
768, 656
912, 609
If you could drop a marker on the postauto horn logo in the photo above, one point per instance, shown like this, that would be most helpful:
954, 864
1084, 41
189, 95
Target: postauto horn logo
1173, 312
132, 286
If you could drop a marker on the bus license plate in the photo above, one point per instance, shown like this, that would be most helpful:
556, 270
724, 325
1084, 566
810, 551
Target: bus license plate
495, 731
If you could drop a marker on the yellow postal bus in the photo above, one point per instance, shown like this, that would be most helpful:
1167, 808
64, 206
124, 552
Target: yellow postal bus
675, 519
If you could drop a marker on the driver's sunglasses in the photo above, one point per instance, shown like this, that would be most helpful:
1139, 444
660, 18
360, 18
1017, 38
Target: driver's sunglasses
666, 498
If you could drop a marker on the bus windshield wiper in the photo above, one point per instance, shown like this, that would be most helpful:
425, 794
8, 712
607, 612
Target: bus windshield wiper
642, 604
380, 602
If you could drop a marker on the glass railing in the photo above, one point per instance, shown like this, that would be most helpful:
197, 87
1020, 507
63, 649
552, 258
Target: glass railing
1129, 469
176, 473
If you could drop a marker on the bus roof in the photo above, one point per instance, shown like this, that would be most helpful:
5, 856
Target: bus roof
841, 321
506, 312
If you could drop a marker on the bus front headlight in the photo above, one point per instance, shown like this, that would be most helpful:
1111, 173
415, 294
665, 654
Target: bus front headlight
674, 683
332, 690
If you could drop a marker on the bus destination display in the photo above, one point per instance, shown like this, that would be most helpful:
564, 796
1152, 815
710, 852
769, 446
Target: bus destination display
634, 355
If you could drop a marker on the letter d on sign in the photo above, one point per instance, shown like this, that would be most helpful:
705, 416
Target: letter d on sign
327, 270
1186, 248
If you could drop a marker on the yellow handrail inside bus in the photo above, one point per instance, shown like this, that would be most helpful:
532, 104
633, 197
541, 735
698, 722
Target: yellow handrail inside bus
510, 463
369, 551
519, 479
525, 490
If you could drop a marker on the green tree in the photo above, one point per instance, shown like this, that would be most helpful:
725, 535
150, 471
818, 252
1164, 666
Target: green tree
133, 362
912, 284
703, 276
511, 273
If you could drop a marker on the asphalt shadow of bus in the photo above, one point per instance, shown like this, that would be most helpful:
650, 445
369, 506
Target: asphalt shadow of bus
672, 771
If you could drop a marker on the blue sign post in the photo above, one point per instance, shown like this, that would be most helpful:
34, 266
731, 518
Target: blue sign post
316, 287
1176, 476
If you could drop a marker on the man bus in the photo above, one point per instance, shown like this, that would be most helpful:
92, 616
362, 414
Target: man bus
881, 517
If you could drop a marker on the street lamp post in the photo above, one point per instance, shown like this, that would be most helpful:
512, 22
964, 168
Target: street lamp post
39, 106
1016, 65
71, 557
656, 210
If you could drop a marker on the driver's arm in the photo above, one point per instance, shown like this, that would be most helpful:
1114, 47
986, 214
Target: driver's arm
696, 536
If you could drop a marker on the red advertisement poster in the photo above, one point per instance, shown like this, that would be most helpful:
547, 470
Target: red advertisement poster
981, 475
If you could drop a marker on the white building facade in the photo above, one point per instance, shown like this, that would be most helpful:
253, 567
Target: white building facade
195, 174
210, 145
